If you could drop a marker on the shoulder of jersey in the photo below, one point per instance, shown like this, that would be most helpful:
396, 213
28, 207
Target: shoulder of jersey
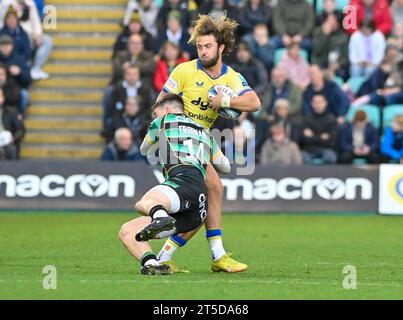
188, 66
231, 71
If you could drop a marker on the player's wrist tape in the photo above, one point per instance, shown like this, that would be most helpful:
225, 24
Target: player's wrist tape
225, 102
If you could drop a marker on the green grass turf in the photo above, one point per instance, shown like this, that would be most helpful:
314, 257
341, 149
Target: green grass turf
289, 257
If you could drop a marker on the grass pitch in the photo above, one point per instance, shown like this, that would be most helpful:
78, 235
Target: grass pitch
289, 257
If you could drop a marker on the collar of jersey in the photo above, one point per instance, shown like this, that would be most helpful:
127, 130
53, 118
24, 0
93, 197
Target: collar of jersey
224, 69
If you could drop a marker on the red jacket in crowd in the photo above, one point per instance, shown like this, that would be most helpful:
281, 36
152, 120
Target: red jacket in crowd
381, 15
161, 74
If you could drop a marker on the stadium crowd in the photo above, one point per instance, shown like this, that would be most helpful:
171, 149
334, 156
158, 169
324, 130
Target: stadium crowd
24, 50
329, 74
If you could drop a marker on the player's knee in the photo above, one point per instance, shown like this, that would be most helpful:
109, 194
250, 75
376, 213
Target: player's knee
124, 233
138, 206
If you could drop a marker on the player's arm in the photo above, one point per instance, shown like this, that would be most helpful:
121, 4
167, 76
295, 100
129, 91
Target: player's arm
151, 137
162, 93
248, 102
221, 164
145, 146
218, 159
174, 83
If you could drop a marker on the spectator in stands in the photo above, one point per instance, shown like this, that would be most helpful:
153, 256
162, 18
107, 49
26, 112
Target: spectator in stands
329, 9
279, 150
148, 14
385, 85
397, 11
134, 27
16, 65
293, 21
170, 58
392, 142
11, 130
358, 139
187, 9
217, 8
40, 6
319, 133
241, 149
130, 87
41, 43
376, 10
134, 117
261, 46
295, 66
281, 114
282, 88
366, 49
252, 13
122, 148
135, 54
12, 91
17, 69
396, 38
19, 5
338, 102
13, 29
174, 32
252, 69
330, 45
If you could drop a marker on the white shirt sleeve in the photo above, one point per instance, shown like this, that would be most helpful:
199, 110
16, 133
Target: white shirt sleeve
222, 164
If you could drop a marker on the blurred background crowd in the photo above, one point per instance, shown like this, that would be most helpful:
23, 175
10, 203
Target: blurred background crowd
329, 74
24, 50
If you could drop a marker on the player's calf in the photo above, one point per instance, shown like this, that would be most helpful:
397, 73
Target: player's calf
129, 229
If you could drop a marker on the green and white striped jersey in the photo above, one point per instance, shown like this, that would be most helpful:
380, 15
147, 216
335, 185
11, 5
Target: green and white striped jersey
182, 141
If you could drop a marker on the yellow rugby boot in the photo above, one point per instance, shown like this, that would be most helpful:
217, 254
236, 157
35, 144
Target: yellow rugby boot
174, 268
227, 264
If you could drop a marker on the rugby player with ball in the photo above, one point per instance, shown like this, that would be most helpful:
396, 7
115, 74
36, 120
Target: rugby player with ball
210, 88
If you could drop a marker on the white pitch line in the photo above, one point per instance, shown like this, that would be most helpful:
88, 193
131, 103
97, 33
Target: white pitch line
382, 264
254, 281
250, 281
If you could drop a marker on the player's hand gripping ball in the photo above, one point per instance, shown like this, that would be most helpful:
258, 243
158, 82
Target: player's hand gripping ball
227, 113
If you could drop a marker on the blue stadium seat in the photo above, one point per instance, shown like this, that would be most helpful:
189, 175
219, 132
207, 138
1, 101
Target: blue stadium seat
340, 4
372, 112
279, 53
355, 83
359, 161
317, 161
319, 6
389, 112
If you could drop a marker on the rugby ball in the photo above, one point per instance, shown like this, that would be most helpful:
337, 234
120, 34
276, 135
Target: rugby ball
227, 113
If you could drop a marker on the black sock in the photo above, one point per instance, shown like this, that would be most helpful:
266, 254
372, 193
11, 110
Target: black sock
147, 256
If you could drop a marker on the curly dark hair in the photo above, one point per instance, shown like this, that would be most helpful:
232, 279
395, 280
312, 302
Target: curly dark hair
222, 29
